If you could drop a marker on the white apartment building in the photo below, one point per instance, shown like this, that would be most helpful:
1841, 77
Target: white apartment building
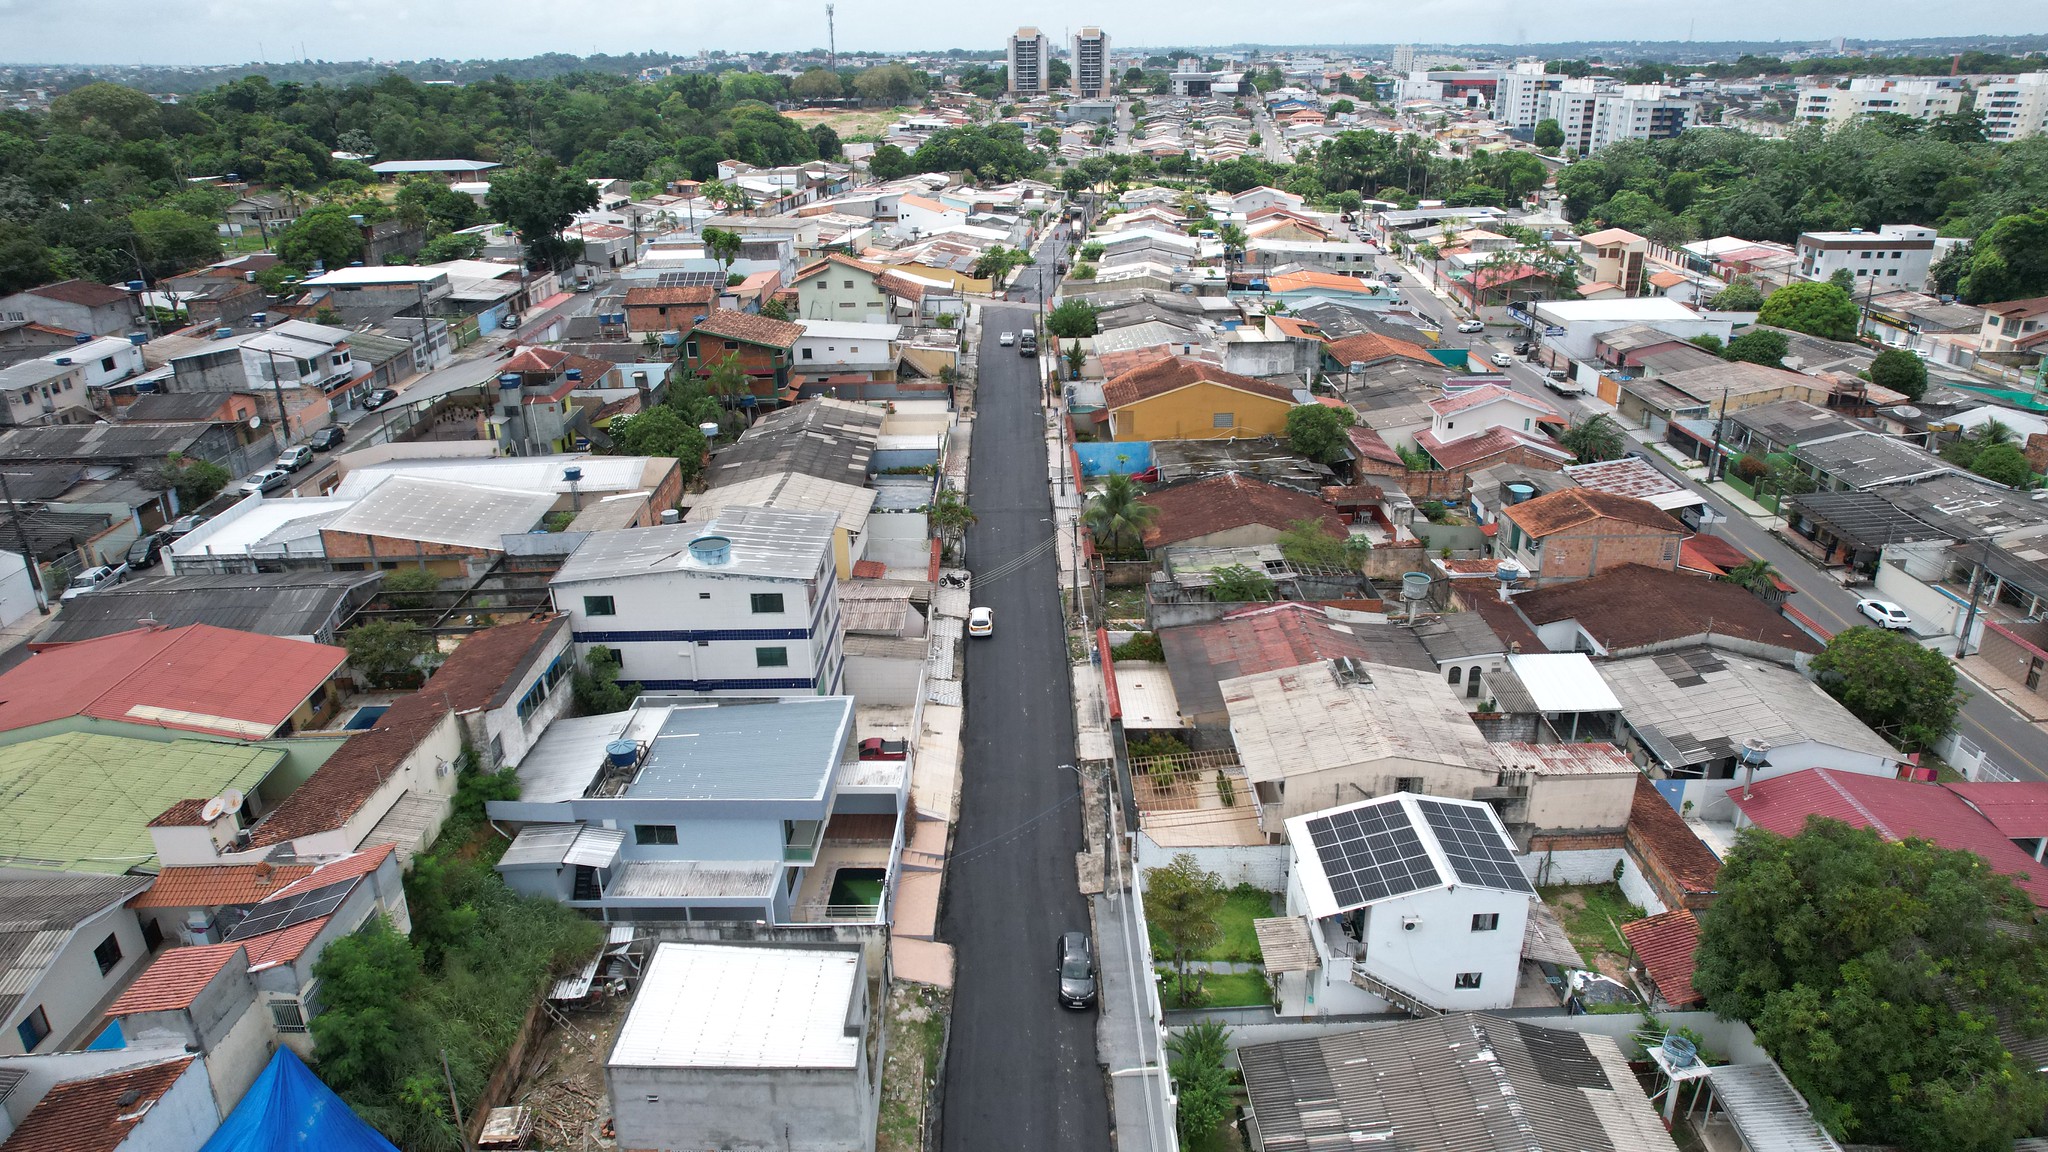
747, 604
1029, 57
2015, 106
1894, 256
1518, 101
1868, 95
1093, 75
1639, 112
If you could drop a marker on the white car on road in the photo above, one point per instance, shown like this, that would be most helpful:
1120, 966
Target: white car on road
1885, 614
1007, 339
1471, 326
981, 622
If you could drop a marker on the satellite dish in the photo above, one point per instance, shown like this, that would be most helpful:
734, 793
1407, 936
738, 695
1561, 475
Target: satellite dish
211, 811
1906, 412
231, 800
255, 421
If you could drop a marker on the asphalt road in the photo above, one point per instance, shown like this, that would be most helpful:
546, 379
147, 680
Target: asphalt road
1021, 1072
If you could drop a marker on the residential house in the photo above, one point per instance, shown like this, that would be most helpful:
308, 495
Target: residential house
309, 605
452, 171
1688, 403
843, 289
1691, 714
1613, 256
1894, 256
818, 455
222, 294
1634, 609
1463, 428
841, 358
532, 413
1771, 429
760, 346
1580, 532
71, 942
2015, 328
664, 602
747, 1046
75, 305
1862, 460
506, 684
1638, 479
1365, 351
1436, 1085
1265, 638
1413, 902
1181, 399
668, 309
1232, 510
45, 391
1584, 321
155, 1102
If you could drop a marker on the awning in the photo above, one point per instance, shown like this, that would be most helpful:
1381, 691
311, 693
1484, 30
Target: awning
1544, 938
1284, 942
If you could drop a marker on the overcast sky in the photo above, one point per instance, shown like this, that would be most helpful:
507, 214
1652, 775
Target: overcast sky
235, 31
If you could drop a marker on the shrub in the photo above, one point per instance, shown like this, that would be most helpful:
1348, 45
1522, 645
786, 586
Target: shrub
1142, 647
1752, 468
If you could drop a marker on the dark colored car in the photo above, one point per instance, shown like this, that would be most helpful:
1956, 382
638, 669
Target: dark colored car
327, 439
143, 553
380, 398
184, 525
876, 748
1077, 971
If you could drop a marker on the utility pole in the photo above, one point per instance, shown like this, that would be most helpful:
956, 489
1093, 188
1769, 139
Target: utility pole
28, 555
831, 41
1983, 577
284, 423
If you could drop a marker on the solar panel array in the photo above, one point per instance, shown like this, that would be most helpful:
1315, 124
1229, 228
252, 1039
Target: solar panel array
690, 280
1371, 853
1474, 846
282, 914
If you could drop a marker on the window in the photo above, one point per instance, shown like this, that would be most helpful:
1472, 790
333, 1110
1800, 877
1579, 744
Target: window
654, 834
771, 657
107, 954
703, 595
1457, 674
732, 345
107, 364
1467, 980
599, 606
823, 283
1223, 420
847, 284
805, 354
1486, 922
690, 349
1407, 783
33, 1030
767, 602
287, 1016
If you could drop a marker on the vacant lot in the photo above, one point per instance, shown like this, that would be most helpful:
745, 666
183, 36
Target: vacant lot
849, 124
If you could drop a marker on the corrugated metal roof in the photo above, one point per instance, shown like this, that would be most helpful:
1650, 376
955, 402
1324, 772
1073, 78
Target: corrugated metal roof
444, 512
766, 543
1701, 704
38, 912
1544, 938
695, 879
1295, 722
791, 492
781, 749
271, 603
539, 844
728, 1006
1767, 1111
1285, 944
595, 848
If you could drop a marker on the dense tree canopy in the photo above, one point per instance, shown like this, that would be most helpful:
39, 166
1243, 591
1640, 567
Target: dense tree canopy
1812, 307
1901, 371
1904, 691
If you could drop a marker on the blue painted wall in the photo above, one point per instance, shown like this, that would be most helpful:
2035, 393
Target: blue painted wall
1099, 459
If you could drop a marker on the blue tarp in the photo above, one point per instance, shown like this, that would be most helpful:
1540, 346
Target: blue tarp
1128, 457
288, 1107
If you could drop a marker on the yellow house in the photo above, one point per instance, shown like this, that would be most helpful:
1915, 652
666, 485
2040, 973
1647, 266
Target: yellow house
1175, 399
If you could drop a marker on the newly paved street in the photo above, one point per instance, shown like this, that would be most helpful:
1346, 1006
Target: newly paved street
1021, 1072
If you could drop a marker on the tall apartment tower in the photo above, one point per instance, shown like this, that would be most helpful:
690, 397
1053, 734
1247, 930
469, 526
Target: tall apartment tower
1404, 59
1029, 50
1091, 64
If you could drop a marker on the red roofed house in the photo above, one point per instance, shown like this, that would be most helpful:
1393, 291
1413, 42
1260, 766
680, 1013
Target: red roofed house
2018, 809
1895, 809
1497, 445
761, 345
1679, 870
2014, 327
668, 309
1179, 399
839, 287
199, 678
1232, 511
79, 305
161, 1107
243, 981
1369, 348
1664, 945
1578, 532
544, 419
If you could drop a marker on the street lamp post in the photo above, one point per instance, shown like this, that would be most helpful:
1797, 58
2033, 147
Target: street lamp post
284, 423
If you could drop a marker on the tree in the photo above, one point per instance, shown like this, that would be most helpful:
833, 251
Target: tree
172, 241
389, 653
1964, 450
723, 246
1709, 342
1878, 974
1200, 1081
1117, 517
1310, 543
195, 481
1182, 901
1759, 346
1817, 309
996, 261
1317, 431
1092, 251
370, 988
816, 84
595, 685
323, 236
775, 308
1844, 279
890, 163
1077, 358
1073, 318
538, 199
949, 515
2003, 464
1593, 439
1741, 296
1235, 584
728, 380
1756, 576
660, 431
1904, 691
2009, 261
1234, 241
827, 141
1901, 371
408, 587
1549, 135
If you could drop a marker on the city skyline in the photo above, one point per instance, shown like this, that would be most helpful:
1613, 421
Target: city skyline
226, 32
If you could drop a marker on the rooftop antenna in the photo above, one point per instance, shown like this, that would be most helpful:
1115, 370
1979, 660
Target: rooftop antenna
831, 41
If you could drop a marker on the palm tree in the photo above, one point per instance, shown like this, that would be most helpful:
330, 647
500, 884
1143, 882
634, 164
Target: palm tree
1234, 241
1993, 432
1757, 576
1593, 439
1117, 516
949, 515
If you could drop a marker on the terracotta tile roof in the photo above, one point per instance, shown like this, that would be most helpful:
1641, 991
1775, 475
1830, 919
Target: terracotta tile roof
183, 814
1610, 236
2018, 809
900, 286
750, 327
1710, 554
1115, 364
1664, 944
1666, 279
1487, 394
1299, 329
219, 886
1370, 445
1494, 277
702, 294
1896, 810
176, 978
1173, 373
1569, 508
91, 1115
2019, 309
870, 569
82, 292
1514, 632
1656, 827
1635, 605
1247, 642
1597, 287
1219, 503
1466, 451
349, 867
478, 674
198, 678
1371, 347
841, 259
1317, 281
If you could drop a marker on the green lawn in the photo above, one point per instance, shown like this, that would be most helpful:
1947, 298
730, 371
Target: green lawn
1223, 1138
1238, 942
1592, 914
1222, 990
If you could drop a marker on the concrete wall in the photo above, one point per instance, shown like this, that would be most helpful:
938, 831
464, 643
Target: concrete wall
1637, 887
1581, 803
881, 680
1580, 866
898, 539
1423, 941
1935, 610
1261, 866
72, 987
1709, 798
743, 1110
649, 611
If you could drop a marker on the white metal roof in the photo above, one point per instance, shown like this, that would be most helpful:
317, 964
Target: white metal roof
1636, 308
765, 543
1767, 1111
532, 473
730, 1006
1563, 682
792, 492
381, 274
444, 512
849, 330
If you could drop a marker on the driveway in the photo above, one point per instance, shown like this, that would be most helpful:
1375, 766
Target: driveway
1021, 1072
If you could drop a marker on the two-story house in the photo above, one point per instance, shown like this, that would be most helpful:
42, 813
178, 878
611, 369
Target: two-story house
2015, 326
71, 941
672, 309
534, 414
1613, 256
50, 390
841, 288
76, 305
833, 352
747, 603
762, 347
1580, 532
1458, 421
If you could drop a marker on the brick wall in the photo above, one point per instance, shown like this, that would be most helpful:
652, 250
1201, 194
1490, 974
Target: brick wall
2014, 655
1448, 485
2037, 451
1604, 545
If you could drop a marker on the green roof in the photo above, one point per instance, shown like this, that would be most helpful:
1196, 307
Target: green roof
83, 802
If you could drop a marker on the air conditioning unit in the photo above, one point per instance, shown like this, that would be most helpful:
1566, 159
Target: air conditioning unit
1410, 923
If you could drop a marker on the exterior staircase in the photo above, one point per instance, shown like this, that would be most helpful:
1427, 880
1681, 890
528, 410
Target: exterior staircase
1393, 994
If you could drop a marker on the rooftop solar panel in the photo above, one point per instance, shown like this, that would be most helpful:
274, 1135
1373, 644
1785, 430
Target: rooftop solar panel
690, 280
282, 914
1477, 851
1371, 853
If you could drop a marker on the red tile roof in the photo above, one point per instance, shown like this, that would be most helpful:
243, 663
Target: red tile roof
350, 867
188, 813
81, 292
198, 678
94, 1115
870, 569
1467, 451
1504, 620
479, 673
218, 886
1220, 503
1370, 445
1486, 394
1656, 827
1710, 554
1636, 605
1299, 329
2018, 809
1370, 347
1664, 945
750, 327
1570, 508
2007, 310
1175, 373
1896, 810
176, 978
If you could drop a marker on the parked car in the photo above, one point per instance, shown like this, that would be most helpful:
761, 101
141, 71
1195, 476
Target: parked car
379, 398
1502, 360
144, 552
1471, 326
268, 480
184, 526
1391, 277
294, 458
981, 622
1885, 614
1076, 971
1524, 348
327, 439
584, 284
876, 748
93, 579
1007, 339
